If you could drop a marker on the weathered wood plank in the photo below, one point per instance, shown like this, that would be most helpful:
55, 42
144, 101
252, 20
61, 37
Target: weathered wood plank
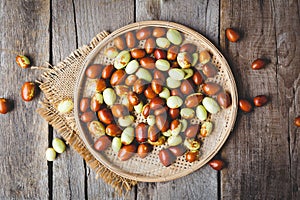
93, 17
68, 178
287, 28
259, 150
23, 133
202, 16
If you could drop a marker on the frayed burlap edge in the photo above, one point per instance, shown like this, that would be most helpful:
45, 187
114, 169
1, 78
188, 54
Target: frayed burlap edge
65, 123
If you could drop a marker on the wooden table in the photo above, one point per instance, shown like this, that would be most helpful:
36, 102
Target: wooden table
262, 152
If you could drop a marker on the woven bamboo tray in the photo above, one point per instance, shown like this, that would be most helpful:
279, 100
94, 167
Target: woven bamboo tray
150, 169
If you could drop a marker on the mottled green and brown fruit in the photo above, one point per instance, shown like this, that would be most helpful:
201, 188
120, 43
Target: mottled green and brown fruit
28, 91
23, 61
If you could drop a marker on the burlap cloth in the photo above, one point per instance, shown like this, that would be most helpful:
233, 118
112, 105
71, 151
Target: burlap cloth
57, 83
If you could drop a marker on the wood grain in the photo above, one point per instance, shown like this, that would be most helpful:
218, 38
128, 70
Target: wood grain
68, 172
92, 17
24, 134
262, 153
202, 16
259, 149
287, 28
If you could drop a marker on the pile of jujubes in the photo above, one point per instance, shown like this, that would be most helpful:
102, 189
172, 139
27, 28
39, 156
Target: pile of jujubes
160, 84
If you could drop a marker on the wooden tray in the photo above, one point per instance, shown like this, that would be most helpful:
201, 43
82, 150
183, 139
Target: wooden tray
150, 169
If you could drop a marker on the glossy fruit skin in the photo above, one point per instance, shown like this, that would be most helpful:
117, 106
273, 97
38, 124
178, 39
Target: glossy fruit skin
117, 77
197, 78
150, 45
84, 104
119, 110
193, 100
232, 35
297, 121
172, 52
149, 93
105, 116
217, 164
245, 105
113, 130
258, 64
174, 112
102, 143
178, 150
4, 106
133, 98
130, 80
108, 71
87, 116
177, 92
143, 149
159, 75
224, 99
143, 33
156, 103
137, 53
139, 86
23, 61
100, 85
162, 123
157, 85
93, 71
211, 88
119, 42
147, 62
260, 100
174, 124
166, 157
95, 105
127, 151
159, 32
161, 111
187, 87
146, 110
130, 40
141, 132
209, 70
192, 156
28, 91
160, 54
153, 133
192, 131
188, 47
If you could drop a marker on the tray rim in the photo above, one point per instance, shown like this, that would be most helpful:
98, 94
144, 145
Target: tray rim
165, 24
